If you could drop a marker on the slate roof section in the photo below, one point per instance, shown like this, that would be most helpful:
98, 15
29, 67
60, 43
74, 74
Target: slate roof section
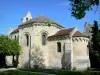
41, 19
62, 32
78, 34
15, 31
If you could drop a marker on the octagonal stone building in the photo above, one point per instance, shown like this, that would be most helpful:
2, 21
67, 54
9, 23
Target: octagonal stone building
45, 42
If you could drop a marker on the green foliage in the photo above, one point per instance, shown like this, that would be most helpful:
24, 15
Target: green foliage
79, 7
9, 46
94, 46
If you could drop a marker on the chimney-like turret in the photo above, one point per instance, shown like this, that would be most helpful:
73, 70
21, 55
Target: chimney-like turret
27, 17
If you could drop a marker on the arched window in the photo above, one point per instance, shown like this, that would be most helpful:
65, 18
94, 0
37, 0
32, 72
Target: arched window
15, 37
58, 46
27, 39
26, 19
44, 35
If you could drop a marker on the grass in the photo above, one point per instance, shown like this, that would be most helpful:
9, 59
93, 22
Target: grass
63, 72
48, 72
16, 72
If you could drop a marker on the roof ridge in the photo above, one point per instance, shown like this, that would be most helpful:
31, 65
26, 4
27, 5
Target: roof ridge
72, 30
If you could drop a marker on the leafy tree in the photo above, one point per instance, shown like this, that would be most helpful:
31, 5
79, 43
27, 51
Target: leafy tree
8, 47
94, 46
79, 7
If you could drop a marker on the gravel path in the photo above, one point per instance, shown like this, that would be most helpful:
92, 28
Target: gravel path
5, 69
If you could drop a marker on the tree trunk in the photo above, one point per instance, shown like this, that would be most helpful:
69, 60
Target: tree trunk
17, 56
13, 61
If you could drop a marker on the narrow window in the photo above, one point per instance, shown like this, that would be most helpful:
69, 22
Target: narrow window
27, 40
58, 46
15, 37
43, 39
26, 19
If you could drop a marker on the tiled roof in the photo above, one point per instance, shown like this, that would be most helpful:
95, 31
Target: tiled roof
63, 32
41, 19
78, 34
15, 31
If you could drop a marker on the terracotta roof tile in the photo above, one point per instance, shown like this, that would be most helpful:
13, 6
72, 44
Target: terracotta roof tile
15, 31
78, 34
63, 32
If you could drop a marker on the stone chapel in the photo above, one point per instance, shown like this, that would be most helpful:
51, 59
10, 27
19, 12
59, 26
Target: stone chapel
59, 47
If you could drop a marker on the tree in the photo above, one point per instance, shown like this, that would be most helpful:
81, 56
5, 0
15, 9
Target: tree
94, 46
8, 47
79, 7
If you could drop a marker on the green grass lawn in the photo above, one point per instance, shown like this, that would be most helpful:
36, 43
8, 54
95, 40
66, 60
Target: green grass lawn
64, 72
16, 72
47, 72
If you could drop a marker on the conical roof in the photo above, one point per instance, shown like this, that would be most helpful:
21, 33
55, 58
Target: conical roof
41, 19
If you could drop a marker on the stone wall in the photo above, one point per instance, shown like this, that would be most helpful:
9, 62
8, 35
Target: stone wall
35, 31
59, 59
80, 53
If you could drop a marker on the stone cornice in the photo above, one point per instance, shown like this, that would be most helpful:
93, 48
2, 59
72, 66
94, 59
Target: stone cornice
58, 38
80, 39
40, 24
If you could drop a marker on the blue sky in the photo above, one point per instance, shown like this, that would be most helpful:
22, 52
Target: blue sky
11, 12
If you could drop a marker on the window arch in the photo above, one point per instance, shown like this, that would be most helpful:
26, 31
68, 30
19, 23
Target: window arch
58, 46
44, 36
27, 39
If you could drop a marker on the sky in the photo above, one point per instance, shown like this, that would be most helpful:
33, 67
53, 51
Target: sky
12, 11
